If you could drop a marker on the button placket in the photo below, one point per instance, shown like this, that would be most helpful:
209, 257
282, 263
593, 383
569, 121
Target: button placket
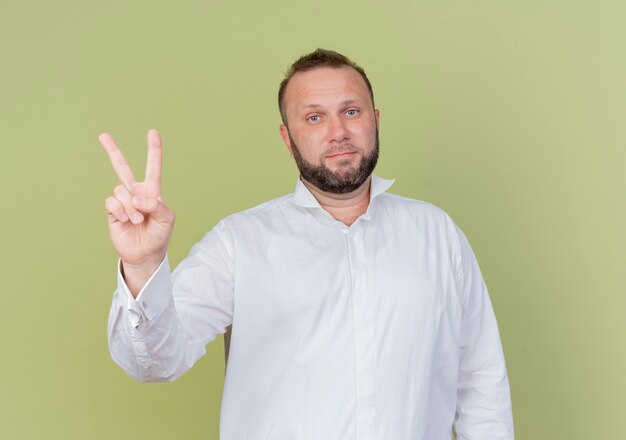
364, 337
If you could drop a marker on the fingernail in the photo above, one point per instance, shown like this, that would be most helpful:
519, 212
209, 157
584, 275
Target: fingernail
136, 217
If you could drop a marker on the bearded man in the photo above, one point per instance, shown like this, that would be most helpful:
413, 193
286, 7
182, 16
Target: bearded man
355, 313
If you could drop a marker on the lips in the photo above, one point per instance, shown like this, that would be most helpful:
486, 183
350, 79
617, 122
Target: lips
341, 154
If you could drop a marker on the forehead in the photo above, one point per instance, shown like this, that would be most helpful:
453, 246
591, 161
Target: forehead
325, 85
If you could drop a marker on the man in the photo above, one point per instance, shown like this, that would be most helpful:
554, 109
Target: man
356, 314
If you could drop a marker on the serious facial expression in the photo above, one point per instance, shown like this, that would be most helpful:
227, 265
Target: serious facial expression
332, 128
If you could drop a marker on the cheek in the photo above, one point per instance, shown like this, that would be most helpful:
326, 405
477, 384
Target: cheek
366, 134
310, 144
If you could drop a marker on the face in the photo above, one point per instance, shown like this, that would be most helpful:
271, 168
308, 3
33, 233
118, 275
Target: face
332, 128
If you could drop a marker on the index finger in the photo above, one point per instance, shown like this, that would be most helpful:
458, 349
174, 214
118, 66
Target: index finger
154, 163
120, 166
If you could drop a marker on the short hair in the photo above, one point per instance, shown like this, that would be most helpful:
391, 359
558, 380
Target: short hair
314, 60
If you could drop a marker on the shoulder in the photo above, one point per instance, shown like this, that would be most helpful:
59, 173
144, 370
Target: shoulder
425, 219
267, 212
417, 208
246, 224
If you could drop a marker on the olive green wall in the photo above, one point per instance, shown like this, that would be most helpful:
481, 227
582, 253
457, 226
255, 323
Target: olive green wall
509, 115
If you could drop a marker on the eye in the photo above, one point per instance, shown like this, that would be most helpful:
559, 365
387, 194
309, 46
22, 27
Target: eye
352, 112
313, 118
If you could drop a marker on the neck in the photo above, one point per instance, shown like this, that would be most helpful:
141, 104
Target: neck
345, 208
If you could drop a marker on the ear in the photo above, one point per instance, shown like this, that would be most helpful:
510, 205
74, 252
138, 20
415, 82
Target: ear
284, 133
377, 113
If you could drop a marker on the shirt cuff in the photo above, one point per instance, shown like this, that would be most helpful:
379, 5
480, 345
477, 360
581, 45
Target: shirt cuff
153, 296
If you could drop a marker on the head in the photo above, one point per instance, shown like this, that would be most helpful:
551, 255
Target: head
330, 125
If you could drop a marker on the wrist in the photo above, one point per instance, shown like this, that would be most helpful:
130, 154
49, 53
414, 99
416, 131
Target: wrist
137, 275
145, 265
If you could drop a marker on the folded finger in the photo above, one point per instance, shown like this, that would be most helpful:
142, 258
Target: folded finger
122, 194
115, 209
156, 207
146, 205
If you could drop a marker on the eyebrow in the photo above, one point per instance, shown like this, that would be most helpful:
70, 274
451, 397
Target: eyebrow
342, 104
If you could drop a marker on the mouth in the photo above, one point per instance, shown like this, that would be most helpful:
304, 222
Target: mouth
341, 155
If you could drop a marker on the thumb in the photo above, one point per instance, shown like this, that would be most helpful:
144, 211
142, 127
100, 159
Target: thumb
155, 207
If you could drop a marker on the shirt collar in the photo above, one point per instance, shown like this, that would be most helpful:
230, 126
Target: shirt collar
304, 198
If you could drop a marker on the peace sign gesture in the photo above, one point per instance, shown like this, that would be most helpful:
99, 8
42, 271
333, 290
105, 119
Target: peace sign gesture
140, 223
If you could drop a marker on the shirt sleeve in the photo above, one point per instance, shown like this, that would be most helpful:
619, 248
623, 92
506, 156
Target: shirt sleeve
483, 395
160, 335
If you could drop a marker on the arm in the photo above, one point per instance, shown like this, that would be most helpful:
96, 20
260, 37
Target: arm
159, 335
159, 323
483, 396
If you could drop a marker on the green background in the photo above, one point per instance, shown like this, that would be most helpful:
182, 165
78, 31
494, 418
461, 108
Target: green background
509, 115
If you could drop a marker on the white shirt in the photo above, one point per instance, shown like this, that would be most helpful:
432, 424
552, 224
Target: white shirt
380, 330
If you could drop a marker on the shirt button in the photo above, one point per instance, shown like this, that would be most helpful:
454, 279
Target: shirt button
145, 306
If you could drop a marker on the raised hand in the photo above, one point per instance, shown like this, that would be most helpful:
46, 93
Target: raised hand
140, 223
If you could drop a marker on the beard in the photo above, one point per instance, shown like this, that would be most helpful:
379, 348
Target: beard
342, 181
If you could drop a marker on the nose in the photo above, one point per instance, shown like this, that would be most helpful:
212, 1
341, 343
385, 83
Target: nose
337, 130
